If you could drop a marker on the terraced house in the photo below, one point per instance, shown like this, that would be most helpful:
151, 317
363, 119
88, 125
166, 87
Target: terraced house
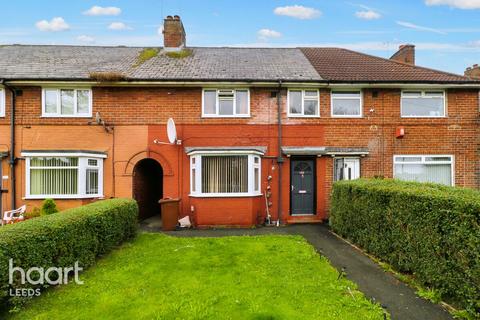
261, 132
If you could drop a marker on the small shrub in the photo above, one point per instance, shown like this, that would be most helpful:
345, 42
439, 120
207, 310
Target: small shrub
110, 76
59, 240
428, 230
49, 206
36, 212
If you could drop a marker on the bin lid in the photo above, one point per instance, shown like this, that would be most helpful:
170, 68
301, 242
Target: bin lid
166, 200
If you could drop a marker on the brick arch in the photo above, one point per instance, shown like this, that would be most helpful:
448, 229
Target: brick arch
144, 154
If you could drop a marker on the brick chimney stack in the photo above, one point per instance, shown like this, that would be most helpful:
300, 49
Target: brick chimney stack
473, 72
173, 34
405, 54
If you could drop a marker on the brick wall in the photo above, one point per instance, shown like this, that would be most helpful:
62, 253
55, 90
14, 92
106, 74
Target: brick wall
138, 116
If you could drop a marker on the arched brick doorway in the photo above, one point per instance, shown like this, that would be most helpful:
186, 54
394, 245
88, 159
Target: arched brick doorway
147, 187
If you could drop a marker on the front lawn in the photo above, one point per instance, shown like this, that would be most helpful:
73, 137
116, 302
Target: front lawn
162, 277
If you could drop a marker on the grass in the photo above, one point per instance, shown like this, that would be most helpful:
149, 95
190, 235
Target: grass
145, 55
184, 53
162, 277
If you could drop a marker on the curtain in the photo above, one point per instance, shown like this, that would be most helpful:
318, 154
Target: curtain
435, 173
92, 181
53, 176
224, 174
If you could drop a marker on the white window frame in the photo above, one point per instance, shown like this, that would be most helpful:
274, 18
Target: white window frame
357, 165
75, 114
422, 95
340, 98
2, 102
196, 191
302, 114
234, 115
423, 161
82, 177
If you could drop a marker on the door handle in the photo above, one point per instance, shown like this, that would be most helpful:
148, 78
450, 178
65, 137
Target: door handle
292, 187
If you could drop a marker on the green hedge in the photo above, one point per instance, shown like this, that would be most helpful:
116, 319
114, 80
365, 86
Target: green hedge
429, 230
59, 240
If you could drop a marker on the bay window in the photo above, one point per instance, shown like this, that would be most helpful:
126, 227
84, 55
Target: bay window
66, 102
226, 103
416, 104
63, 175
347, 104
303, 103
225, 175
424, 168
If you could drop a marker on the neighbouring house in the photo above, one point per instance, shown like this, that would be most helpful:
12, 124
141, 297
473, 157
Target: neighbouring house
261, 131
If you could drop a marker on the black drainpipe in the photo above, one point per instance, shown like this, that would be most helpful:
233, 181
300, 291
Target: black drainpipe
279, 158
12, 144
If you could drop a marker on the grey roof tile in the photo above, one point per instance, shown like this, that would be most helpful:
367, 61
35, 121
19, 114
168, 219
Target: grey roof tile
76, 62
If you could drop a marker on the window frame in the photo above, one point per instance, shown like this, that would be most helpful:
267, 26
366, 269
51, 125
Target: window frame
81, 169
2, 102
423, 161
58, 114
302, 115
346, 90
235, 115
196, 165
358, 165
423, 91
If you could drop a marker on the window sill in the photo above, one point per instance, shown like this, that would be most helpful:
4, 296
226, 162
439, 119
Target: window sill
225, 195
61, 197
300, 116
66, 116
423, 117
346, 117
224, 117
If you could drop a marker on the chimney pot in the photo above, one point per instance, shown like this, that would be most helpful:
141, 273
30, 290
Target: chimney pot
174, 38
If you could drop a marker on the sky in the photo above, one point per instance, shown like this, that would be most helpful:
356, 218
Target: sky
446, 33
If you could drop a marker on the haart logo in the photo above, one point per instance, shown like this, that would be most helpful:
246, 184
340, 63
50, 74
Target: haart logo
40, 276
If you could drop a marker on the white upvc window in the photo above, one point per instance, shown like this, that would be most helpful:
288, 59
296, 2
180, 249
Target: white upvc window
225, 175
66, 102
346, 104
423, 104
425, 168
228, 103
63, 175
303, 103
2, 102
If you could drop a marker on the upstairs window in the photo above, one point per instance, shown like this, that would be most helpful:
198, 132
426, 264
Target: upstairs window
347, 104
429, 104
2, 102
226, 103
67, 103
303, 103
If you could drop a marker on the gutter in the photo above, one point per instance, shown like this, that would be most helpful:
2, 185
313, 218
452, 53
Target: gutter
12, 143
280, 159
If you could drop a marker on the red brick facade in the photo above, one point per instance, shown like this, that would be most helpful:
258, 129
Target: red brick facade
139, 114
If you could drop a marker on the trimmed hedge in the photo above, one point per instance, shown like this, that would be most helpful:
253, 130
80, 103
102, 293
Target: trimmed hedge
429, 230
59, 240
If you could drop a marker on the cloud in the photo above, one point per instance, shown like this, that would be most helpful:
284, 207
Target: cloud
419, 28
119, 26
296, 11
54, 25
103, 11
460, 4
368, 15
265, 34
160, 30
85, 38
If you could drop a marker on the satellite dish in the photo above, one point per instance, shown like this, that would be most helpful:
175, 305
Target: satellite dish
171, 131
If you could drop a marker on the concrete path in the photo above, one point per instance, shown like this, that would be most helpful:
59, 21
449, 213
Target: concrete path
396, 297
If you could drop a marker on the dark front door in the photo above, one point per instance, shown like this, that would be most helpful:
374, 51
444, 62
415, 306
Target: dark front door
302, 189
